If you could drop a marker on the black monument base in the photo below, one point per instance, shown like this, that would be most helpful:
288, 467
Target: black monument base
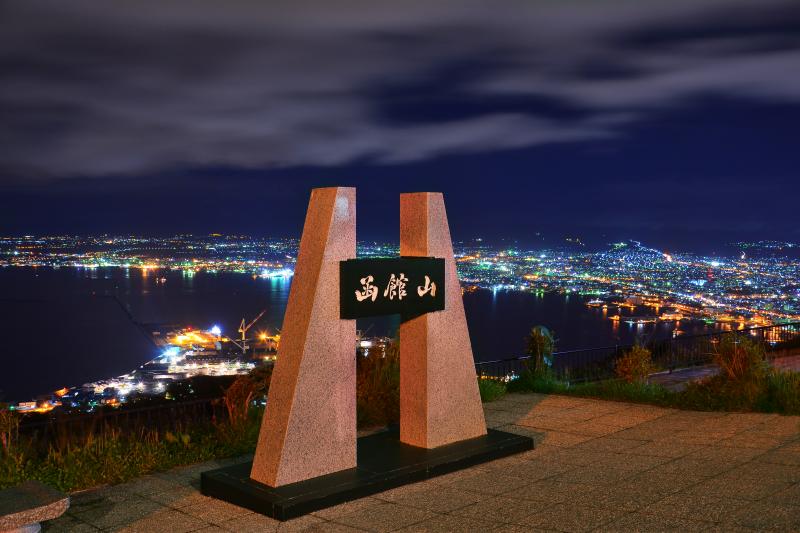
383, 463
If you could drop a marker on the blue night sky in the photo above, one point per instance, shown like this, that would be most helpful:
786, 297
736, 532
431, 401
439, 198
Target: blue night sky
670, 122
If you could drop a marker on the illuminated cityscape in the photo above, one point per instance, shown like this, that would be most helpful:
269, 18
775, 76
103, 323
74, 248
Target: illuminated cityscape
759, 285
185, 252
743, 290
629, 281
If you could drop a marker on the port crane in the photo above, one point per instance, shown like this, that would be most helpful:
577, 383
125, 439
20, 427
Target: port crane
243, 329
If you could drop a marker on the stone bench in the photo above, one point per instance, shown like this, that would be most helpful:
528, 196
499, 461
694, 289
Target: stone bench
24, 506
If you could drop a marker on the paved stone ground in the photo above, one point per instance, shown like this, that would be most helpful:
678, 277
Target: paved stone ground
598, 465
677, 380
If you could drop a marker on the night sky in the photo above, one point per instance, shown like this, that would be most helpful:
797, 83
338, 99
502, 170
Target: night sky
676, 123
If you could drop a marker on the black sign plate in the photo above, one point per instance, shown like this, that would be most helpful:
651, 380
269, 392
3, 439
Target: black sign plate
408, 286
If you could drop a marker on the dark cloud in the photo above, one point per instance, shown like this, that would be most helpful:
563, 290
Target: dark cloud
120, 88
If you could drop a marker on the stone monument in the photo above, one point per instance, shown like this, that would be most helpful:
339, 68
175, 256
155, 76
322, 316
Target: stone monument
439, 399
309, 426
308, 456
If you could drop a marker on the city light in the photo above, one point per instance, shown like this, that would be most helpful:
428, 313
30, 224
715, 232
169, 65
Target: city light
629, 283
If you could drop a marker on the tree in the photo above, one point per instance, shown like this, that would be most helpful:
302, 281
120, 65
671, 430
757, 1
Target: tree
540, 344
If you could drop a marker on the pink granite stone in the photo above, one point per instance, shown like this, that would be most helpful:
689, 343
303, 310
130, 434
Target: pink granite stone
309, 427
439, 399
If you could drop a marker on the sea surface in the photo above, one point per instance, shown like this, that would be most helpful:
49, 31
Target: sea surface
68, 326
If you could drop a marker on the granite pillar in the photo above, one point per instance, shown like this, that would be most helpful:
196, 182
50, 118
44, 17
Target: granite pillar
439, 399
309, 427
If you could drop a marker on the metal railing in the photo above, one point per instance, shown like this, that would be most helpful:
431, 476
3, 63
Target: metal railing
668, 354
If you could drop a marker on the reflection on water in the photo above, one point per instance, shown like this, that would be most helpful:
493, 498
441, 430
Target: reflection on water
66, 326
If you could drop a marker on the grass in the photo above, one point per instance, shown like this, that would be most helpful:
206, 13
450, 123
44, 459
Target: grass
490, 389
744, 382
78, 456
378, 388
625, 391
781, 394
114, 457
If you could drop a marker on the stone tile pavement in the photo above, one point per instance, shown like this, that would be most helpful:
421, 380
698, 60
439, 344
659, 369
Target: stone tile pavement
598, 465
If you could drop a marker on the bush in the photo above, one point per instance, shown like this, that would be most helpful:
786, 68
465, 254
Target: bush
718, 393
378, 388
782, 393
773, 392
490, 389
634, 366
744, 382
740, 358
240, 394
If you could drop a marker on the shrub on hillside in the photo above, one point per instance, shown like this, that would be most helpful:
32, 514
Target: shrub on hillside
378, 388
9, 428
635, 365
782, 393
741, 383
240, 394
197, 387
773, 392
740, 358
93, 458
718, 393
